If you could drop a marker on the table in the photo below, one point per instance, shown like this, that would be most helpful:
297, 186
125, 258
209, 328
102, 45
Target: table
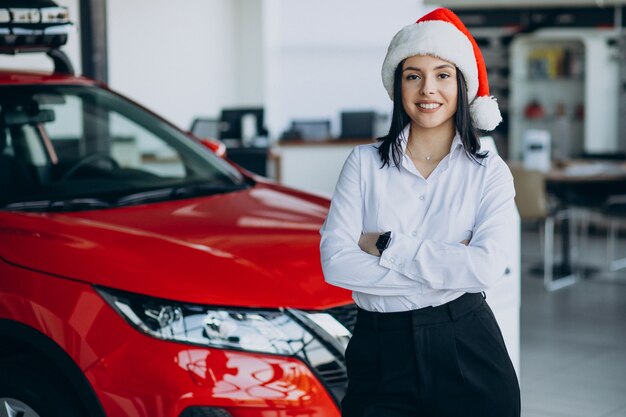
586, 185
314, 165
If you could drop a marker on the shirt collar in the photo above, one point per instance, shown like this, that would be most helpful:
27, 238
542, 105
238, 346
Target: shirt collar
404, 138
457, 146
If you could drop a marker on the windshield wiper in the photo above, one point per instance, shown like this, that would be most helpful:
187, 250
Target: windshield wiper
147, 196
73, 204
177, 192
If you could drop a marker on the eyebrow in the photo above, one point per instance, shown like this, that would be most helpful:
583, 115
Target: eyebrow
436, 68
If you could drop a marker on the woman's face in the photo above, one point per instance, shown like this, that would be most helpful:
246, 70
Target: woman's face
429, 91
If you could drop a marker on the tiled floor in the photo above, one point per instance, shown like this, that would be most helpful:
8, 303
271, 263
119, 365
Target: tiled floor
573, 341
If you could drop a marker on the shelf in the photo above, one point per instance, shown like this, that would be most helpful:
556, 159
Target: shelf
551, 80
582, 62
546, 120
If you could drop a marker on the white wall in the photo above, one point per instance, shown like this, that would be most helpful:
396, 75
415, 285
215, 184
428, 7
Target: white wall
325, 56
186, 61
249, 63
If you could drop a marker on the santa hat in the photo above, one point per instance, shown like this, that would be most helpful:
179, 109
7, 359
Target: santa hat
441, 33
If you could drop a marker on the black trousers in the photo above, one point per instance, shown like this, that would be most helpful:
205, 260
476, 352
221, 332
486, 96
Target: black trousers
444, 361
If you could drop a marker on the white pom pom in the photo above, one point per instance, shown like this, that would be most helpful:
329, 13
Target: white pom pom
485, 113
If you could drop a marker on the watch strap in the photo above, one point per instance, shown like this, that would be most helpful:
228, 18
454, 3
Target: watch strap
383, 241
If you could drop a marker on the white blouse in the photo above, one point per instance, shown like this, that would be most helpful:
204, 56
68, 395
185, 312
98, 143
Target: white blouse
425, 264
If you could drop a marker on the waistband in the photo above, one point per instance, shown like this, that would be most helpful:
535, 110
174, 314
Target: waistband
450, 311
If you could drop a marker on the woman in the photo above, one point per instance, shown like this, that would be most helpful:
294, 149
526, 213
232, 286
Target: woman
419, 226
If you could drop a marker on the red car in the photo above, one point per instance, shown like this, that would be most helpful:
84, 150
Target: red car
143, 275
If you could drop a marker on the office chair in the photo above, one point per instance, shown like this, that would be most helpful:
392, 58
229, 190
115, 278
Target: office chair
615, 211
533, 204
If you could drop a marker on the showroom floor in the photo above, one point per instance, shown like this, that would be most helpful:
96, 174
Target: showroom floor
573, 341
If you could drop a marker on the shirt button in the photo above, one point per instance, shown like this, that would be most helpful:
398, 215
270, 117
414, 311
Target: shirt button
422, 197
414, 233
392, 260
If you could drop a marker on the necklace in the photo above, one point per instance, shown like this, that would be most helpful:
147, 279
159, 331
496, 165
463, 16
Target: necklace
427, 157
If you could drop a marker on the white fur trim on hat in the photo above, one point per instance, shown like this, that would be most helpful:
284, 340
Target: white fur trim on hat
436, 38
485, 113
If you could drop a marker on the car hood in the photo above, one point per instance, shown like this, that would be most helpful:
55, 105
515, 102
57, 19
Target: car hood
255, 247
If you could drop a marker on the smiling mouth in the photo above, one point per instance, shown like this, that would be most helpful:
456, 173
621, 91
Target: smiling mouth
428, 106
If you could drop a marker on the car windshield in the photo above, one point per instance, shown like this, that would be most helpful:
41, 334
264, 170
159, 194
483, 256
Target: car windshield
81, 147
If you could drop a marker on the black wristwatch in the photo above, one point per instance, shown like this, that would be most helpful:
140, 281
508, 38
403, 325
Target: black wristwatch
383, 242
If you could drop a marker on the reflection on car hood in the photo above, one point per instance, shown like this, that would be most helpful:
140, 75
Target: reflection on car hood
256, 247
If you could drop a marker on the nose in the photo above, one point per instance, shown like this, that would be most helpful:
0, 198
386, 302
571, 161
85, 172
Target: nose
428, 85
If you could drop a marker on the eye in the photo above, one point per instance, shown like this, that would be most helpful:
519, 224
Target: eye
412, 77
444, 75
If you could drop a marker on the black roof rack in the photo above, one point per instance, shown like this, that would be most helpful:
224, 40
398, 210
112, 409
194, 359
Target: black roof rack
35, 26
27, 3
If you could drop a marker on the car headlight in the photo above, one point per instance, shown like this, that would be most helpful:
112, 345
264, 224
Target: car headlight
277, 331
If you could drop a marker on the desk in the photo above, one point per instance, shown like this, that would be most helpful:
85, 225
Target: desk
314, 165
587, 185
253, 159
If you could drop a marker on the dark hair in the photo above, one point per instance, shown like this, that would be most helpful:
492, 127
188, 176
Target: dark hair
399, 119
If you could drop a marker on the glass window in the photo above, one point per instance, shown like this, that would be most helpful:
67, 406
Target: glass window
76, 142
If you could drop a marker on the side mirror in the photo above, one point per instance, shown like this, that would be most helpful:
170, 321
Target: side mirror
216, 146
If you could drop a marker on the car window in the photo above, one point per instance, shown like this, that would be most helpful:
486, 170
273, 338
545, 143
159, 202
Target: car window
135, 147
129, 144
71, 142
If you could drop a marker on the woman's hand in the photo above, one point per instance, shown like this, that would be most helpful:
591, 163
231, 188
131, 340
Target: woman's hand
367, 243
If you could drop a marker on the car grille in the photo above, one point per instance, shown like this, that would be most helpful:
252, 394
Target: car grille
333, 373
205, 412
335, 377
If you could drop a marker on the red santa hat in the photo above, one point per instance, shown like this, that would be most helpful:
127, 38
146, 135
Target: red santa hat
441, 33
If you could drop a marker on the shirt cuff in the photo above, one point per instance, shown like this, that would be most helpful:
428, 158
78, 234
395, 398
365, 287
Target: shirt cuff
400, 254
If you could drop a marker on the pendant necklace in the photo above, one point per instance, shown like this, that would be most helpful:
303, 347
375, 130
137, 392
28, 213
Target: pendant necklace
427, 157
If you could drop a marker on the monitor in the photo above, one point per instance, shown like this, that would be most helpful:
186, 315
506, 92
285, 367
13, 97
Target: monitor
357, 124
231, 122
205, 128
311, 129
